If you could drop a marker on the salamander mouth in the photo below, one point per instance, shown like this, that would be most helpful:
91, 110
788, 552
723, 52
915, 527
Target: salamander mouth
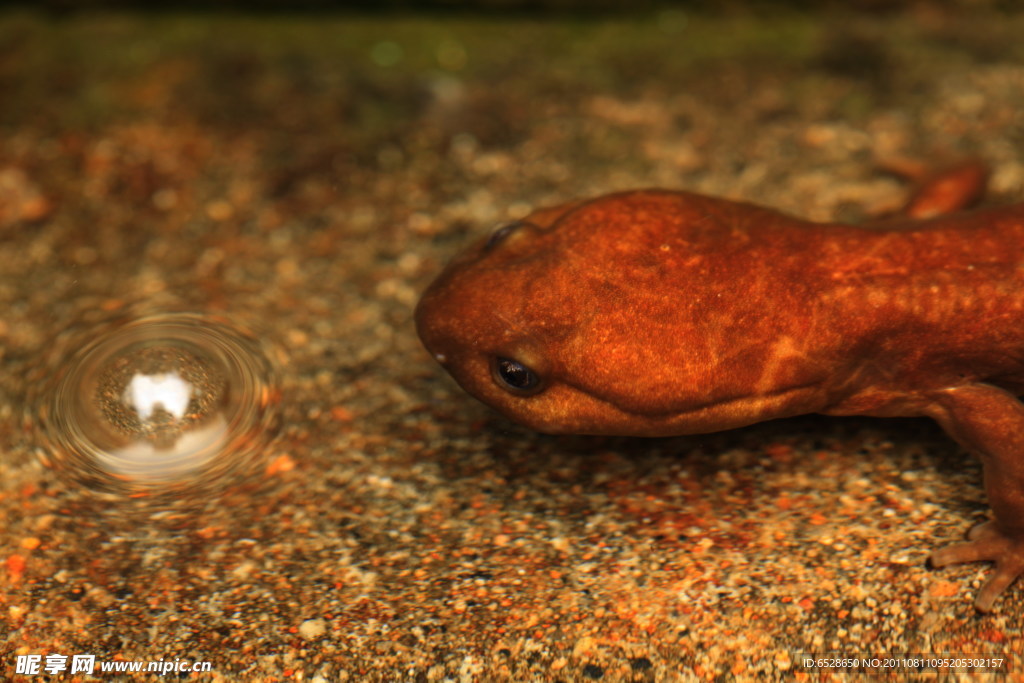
729, 413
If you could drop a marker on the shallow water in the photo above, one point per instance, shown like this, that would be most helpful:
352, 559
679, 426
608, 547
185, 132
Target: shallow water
309, 176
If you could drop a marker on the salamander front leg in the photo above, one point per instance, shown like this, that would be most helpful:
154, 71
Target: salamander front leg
986, 542
990, 422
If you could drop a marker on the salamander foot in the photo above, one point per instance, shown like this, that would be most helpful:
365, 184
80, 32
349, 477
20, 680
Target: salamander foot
986, 542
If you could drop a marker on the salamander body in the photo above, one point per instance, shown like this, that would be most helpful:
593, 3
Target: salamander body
656, 313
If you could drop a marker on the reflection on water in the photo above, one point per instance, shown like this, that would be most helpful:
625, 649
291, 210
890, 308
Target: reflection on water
161, 402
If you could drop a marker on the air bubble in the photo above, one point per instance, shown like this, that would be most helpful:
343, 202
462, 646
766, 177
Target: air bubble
180, 402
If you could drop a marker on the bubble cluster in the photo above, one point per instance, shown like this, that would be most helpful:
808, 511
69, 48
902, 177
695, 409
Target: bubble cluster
179, 401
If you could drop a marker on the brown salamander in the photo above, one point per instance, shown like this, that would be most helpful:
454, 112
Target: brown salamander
655, 313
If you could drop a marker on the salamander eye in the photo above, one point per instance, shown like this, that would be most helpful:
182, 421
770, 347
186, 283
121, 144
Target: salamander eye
512, 375
501, 234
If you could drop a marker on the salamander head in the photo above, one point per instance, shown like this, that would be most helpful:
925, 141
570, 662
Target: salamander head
614, 316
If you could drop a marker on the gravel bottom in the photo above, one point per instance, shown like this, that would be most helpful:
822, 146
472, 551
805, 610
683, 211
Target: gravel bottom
306, 177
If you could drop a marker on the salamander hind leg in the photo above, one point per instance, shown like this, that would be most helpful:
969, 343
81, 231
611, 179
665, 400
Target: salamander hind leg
986, 543
990, 422
949, 189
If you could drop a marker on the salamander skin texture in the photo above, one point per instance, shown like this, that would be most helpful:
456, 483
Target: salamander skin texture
657, 313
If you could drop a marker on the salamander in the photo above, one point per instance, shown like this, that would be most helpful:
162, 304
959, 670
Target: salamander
659, 313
